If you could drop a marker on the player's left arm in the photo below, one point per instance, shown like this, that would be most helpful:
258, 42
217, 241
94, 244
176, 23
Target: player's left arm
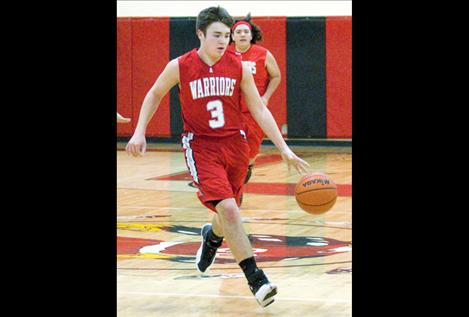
266, 121
274, 77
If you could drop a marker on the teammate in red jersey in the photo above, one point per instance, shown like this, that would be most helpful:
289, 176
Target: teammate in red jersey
264, 68
210, 82
121, 119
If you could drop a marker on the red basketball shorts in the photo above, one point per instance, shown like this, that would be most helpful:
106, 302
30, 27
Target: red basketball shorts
218, 166
254, 134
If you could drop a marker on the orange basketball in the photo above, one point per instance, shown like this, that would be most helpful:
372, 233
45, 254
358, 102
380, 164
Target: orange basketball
316, 193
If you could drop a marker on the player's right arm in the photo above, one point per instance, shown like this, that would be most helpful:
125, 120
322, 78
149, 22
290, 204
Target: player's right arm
167, 80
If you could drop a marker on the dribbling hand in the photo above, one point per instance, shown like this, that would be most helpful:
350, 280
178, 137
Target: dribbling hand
136, 146
299, 164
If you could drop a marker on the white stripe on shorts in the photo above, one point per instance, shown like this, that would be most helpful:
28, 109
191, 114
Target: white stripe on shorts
189, 156
243, 133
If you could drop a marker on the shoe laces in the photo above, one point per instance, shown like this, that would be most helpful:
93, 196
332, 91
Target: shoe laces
210, 250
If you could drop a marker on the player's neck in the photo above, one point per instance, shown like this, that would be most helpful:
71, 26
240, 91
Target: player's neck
210, 61
243, 49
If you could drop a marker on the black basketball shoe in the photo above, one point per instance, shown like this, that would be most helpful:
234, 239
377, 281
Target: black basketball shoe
207, 251
262, 289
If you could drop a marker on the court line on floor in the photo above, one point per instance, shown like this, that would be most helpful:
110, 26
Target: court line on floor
202, 209
193, 208
278, 298
318, 224
227, 268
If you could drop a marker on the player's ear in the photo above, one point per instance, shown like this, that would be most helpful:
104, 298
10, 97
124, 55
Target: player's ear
200, 34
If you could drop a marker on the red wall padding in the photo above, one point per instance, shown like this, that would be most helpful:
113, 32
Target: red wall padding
124, 74
150, 54
274, 39
339, 77
143, 52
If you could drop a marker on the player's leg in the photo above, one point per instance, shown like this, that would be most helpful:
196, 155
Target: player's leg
207, 174
249, 173
230, 218
217, 227
254, 138
212, 238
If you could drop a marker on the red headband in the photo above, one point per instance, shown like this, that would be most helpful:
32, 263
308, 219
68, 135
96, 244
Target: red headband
241, 23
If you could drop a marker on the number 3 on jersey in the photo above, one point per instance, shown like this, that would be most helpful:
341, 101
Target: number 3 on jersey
216, 109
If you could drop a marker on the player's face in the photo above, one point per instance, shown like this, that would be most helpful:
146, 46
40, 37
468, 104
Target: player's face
216, 39
242, 36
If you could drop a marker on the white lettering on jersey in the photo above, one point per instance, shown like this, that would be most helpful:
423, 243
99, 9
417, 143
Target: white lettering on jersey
222, 86
233, 82
212, 86
251, 65
194, 89
200, 93
228, 85
206, 91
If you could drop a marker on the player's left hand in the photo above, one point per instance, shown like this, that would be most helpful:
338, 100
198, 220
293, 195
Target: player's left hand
299, 164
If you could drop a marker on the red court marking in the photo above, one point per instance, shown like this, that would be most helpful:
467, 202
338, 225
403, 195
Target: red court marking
127, 245
156, 150
343, 190
261, 160
267, 159
181, 176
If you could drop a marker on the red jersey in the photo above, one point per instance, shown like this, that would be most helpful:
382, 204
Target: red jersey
255, 57
210, 95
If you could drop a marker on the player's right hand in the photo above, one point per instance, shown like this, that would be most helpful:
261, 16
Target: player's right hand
121, 119
301, 166
137, 145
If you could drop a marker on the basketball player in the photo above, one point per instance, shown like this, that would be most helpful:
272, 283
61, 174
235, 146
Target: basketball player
266, 75
121, 119
210, 82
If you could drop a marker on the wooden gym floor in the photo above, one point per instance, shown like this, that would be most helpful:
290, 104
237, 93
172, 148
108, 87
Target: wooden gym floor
158, 233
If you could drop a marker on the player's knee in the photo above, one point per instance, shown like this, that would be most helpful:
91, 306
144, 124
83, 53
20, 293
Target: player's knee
230, 213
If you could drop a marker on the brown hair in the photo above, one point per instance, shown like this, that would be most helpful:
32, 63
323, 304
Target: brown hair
210, 15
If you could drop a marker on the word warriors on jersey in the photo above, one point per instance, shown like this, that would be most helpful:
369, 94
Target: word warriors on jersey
212, 86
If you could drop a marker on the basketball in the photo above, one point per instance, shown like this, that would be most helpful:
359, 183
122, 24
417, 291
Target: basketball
316, 193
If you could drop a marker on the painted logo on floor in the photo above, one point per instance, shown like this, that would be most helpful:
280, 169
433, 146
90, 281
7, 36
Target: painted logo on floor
265, 247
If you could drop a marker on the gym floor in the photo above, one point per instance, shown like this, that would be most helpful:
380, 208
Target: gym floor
159, 218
